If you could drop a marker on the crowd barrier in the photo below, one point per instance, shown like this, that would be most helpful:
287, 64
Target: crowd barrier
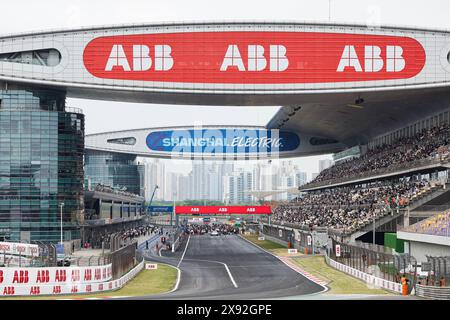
51, 284
368, 278
436, 293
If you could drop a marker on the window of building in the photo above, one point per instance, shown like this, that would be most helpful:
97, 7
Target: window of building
45, 57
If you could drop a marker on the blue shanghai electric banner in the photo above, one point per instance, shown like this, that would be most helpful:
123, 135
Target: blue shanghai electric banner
160, 208
223, 141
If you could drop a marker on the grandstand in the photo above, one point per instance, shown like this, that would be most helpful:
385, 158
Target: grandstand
438, 225
396, 179
429, 237
419, 152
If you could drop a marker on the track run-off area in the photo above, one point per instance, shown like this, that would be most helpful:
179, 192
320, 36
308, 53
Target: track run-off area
230, 267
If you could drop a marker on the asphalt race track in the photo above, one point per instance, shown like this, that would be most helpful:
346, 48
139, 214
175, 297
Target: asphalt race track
229, 267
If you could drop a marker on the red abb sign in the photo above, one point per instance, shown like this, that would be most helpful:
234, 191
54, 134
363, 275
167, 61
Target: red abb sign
225, 210
254, 57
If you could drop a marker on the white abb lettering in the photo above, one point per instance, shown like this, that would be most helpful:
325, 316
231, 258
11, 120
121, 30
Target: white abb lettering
141, 59
373, 62
256, 61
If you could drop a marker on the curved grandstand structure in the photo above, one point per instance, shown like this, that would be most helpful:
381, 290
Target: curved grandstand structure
348, 83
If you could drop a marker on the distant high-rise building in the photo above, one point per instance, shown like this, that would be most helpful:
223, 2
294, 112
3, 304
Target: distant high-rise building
300, 178
155, 176
238, 186
183, 192
325, 164
314, 175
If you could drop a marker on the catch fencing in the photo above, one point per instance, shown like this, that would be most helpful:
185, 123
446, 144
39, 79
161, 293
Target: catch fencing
123, 260
435, 293
375, 260
307, 240
438, 271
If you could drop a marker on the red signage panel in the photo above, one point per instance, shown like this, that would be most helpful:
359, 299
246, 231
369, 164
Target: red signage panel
223, 210
254, 57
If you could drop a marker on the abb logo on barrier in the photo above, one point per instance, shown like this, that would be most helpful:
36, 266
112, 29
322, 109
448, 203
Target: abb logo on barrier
8, 291
43, 276
264, 57
20, 277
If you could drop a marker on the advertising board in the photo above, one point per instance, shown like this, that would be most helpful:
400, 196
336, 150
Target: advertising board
222, 141
252, 57
223, 210
15, 248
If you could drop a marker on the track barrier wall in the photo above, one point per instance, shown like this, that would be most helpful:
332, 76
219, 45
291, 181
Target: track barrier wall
368, 278
304, 240
435, 293
68, 287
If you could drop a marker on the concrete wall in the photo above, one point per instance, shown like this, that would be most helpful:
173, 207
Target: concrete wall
419, 249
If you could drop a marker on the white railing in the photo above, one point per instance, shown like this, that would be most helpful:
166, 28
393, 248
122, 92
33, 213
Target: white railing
368, 278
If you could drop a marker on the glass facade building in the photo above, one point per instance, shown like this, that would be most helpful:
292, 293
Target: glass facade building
41, 166
117, 170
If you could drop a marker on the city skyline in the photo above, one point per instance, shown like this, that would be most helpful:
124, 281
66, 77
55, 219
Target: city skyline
225, 181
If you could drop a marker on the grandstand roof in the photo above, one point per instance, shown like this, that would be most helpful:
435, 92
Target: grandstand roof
347, 83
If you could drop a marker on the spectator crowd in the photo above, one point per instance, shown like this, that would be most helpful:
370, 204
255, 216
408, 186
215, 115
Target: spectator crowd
349, 208
428, 143
126, 235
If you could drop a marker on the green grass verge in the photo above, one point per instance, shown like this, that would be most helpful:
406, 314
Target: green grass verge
265, 244
338, 282
147, 282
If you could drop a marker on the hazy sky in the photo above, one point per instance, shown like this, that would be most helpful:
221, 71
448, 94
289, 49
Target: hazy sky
32, 15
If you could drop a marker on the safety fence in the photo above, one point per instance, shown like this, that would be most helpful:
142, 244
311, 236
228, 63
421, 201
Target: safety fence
375, 260
123, 260
308, 241
438, 271
435, 293
372, 280
177, 239
162, 220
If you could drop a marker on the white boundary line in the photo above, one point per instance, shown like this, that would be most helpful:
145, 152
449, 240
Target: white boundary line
178, 278
229, 274
184, 252
226, 268
325, 288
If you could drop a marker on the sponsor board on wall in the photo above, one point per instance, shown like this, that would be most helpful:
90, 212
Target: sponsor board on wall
55, 275
291, 251
23, 249
67, 288
151, 266
338, 250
